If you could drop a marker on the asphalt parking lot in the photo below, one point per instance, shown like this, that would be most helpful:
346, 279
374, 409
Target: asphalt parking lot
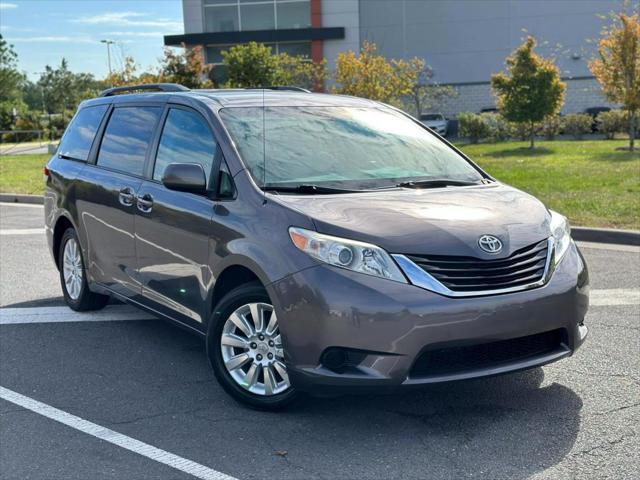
119, 395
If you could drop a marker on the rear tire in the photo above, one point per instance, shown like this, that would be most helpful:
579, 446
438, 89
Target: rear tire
248, 362
73, 276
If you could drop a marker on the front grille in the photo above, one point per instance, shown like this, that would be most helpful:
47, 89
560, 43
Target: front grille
469, 274
494, 354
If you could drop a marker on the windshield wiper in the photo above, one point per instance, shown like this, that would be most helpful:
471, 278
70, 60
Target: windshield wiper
437, 182
307, 188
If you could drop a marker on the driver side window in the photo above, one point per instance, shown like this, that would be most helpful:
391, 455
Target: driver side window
186, 138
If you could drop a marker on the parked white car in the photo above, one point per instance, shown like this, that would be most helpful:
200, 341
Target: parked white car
436, 122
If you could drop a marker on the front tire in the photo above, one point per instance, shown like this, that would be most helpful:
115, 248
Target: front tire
73, 276
245, 349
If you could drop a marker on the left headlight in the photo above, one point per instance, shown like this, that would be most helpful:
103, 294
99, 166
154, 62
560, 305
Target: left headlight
561, 232
350, 254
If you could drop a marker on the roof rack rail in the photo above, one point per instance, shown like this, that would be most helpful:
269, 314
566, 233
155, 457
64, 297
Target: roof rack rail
154, 87
282, 87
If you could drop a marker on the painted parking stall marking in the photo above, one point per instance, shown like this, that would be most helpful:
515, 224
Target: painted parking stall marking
112, 313
149, 451
614, 296
22, 231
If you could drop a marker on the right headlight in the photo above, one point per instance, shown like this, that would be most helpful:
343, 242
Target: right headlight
561, 232
350, 254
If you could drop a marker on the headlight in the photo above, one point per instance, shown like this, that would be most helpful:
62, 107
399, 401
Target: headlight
352, 255
561, 232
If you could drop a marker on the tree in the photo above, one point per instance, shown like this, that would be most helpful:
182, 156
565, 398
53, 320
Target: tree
127, 74
249, 66
425, 95
11, 83
10, 78
617, 67
531, 90
370, 75
187, 68
299, 71
253, 65
62, 89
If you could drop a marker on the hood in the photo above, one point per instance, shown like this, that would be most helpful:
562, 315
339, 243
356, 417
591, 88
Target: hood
443, 221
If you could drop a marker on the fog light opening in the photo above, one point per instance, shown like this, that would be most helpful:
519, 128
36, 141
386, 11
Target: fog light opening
334, 359
342, 360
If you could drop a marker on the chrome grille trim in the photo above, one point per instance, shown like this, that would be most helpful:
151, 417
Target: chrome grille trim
423, 279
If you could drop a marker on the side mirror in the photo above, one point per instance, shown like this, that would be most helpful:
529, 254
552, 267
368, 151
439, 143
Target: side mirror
185, 177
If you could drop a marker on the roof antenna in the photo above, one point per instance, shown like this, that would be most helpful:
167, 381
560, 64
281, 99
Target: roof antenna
264, 153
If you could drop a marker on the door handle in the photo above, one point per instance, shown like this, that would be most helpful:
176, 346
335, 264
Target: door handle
145, 203
126, 196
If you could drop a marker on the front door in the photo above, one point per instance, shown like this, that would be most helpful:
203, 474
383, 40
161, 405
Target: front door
106, 198
173, 229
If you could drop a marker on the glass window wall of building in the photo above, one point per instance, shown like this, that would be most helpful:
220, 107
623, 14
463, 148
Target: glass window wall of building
247, 15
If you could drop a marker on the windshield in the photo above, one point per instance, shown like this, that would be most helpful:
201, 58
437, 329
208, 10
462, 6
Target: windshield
342, 147
432, 116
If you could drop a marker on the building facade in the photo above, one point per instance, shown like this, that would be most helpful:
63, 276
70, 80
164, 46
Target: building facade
463, 41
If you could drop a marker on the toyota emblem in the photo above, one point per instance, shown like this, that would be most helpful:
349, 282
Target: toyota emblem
490, 244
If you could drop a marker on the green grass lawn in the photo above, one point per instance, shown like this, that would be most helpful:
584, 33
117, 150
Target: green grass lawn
588, 181
22, 173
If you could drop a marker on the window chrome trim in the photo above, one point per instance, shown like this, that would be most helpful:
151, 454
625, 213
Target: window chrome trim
420, 278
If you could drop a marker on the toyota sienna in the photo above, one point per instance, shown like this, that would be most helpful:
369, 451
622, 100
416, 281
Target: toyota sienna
319, 243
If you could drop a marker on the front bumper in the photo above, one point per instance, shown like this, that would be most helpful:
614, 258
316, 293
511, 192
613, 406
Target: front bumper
389, 325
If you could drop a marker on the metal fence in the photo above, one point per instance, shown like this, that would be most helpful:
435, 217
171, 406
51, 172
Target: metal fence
24, 141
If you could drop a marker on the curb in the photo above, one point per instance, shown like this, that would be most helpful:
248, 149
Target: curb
19, 198
606, 235
581, 234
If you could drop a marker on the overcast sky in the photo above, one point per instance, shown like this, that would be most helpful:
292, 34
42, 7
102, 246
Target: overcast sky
45, 31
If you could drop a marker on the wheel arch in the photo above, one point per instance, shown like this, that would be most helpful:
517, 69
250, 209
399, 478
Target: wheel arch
62, 224
230, 277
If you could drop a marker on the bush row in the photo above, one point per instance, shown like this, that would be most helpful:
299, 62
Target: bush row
495, 128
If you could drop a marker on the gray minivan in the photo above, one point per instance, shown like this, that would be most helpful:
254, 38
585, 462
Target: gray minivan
319, 243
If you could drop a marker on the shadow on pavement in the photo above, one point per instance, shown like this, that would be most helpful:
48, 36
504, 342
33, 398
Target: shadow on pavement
48, 302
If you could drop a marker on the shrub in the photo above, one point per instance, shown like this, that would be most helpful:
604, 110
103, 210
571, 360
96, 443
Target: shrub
498, 129
472, 126
551, 127
612, 122
577, 124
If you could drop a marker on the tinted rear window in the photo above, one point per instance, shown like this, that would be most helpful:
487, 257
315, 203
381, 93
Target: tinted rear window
127, 138
79, 136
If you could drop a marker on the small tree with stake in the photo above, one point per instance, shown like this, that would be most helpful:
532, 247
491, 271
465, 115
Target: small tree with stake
531, 90
617, 67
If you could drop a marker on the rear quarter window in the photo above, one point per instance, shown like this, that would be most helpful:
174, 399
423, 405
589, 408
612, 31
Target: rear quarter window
79, 136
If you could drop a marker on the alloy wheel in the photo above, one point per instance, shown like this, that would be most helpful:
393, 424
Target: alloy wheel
252, 352
72, 268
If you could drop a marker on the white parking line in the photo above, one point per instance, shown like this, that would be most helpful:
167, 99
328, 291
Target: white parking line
113, 437
16, 204
615, 296
112, 313
609, 246
22, 231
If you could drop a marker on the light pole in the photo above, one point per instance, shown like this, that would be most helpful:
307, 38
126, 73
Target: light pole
108, 43
44, 110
